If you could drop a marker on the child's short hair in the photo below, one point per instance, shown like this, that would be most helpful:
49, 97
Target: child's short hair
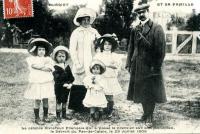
61, 51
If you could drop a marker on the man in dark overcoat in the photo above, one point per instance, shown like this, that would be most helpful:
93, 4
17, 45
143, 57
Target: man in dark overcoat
145, 57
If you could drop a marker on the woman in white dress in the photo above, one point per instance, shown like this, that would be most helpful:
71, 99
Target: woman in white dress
82, 50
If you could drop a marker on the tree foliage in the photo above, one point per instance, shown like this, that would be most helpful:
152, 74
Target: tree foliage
56, 28
176, 21
117, 18
67, 19
193, 23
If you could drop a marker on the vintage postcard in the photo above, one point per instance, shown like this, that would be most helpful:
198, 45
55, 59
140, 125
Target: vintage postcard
99, 66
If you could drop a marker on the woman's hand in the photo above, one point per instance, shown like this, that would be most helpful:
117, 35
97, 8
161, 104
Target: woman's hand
79, 68
111, 66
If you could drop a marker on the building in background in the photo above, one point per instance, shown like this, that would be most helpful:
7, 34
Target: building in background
162, 11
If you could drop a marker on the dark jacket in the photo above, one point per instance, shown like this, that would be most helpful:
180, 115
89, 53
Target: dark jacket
62, 76
145, 57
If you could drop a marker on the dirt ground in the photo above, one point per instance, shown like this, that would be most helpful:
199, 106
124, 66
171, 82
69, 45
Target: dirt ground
181, 113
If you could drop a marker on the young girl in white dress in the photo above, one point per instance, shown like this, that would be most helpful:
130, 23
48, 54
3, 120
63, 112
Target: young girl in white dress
95, 83
107, 44
41, 86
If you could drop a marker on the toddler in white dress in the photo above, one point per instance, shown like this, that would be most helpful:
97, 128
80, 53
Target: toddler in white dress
95, 83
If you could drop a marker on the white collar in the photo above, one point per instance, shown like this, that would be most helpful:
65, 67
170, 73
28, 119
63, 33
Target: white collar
143, 22
62, 65
85, 28
89, 29
107, 52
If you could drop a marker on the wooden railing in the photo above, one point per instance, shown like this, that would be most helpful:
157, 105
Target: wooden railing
182, 42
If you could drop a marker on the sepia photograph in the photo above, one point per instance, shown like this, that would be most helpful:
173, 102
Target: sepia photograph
99, 66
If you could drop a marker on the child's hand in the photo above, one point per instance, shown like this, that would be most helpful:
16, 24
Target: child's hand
37, 66
46, 69
87, 87
68, 86
111, 66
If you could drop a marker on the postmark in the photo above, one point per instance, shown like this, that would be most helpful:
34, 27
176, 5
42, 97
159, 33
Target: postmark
17, 8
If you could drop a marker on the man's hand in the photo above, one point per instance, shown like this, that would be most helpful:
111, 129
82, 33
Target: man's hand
128, 69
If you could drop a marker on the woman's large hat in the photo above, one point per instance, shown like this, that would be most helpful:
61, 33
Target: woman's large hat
33, 43
98, 62
83, 12
110, 37
141, 6
59, 48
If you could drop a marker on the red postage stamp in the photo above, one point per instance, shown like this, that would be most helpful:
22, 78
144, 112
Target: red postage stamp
17, 8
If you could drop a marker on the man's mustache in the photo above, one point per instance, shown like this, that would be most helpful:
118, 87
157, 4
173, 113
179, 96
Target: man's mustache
142, 17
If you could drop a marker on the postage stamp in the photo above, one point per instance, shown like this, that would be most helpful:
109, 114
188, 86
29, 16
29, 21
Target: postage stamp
17, 8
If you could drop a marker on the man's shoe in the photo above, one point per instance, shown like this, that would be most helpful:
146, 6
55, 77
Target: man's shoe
149, 125
149, 121
142, 119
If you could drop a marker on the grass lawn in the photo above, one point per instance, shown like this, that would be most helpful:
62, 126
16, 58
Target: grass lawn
182, 79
